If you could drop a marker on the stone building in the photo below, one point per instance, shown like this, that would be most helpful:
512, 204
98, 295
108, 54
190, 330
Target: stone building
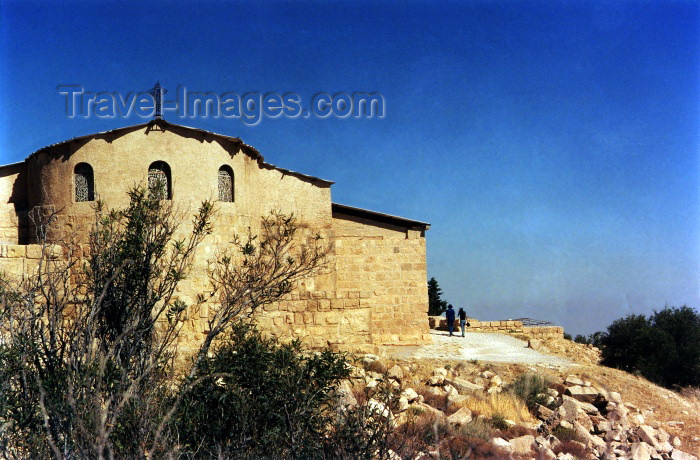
375, 292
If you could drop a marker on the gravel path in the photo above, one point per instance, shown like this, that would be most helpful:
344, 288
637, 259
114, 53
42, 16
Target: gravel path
481, 346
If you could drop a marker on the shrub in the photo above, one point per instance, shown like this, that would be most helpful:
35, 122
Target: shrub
257, 398
498, 421
531, 388
664, 348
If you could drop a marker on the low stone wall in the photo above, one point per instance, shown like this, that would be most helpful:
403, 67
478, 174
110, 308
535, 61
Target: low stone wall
508, 326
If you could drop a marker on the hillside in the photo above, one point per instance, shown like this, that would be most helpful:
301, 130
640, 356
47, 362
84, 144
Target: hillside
594, 411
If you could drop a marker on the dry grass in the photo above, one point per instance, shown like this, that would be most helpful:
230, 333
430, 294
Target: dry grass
505, 405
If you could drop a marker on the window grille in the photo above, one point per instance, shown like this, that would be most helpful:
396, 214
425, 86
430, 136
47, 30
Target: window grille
225, 185
84, 183
158, 181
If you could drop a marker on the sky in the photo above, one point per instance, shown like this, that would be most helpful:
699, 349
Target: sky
553, 146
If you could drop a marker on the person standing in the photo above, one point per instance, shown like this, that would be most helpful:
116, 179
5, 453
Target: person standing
450, 315
462, 319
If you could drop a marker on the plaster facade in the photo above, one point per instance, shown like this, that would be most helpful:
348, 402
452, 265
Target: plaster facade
374, 293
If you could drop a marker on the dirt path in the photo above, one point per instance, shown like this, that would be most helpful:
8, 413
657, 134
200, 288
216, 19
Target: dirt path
481, 346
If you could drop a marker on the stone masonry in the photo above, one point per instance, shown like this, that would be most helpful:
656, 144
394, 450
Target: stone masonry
374, 291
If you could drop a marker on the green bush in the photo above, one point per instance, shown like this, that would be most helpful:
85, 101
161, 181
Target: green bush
664, 348
531, 388
258, 399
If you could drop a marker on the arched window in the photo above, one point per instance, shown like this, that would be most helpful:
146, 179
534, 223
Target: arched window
84, 182
226, 184
159, 180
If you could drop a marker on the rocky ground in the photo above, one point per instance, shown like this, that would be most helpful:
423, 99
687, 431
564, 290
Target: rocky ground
464, 402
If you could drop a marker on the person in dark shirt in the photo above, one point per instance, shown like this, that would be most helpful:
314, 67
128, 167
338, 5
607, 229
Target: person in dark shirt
450, 315
462, 319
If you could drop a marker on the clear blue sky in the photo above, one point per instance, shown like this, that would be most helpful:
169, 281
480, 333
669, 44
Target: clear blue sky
552, 145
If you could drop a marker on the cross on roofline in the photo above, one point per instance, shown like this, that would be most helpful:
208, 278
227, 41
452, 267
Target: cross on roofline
157, 92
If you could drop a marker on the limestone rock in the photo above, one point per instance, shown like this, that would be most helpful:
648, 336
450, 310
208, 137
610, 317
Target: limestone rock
522, 445
395, 373
543, 413
421, 406
572, 380
640, 451
449, 389
464, 386
648, 435
460, 418
487, 374
438, 378
615, 397
346, 398
379, 408
502, 443
496, 381
410, 395
456, 399
678, 455
584, 394
403, 404
665, 447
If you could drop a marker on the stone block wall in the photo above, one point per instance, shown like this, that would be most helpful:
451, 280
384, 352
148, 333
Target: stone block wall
387, 265
508, 326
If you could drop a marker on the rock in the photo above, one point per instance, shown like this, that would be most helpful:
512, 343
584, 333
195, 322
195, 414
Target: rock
460, 418
585, 434
582, 406
662, 436
584, 394
637, 419
456, 399
487, 374
676, 423
393, 455
438, 378
378, 408
568, 410
600, 424
403, 403
566, 425
665, 447
369, 358
346, 398
502, 443
494, 390
648, 435
435, 391
566, 457
572, 380
496, 381
678, 455
676, 442
464, 386
395, 373
410, 395
522, 445
542, 412
421, 406
552, 392
449, 389
640, 451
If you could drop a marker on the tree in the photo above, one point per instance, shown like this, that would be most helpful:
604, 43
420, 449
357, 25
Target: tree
89, 340
665, 348
436, 306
